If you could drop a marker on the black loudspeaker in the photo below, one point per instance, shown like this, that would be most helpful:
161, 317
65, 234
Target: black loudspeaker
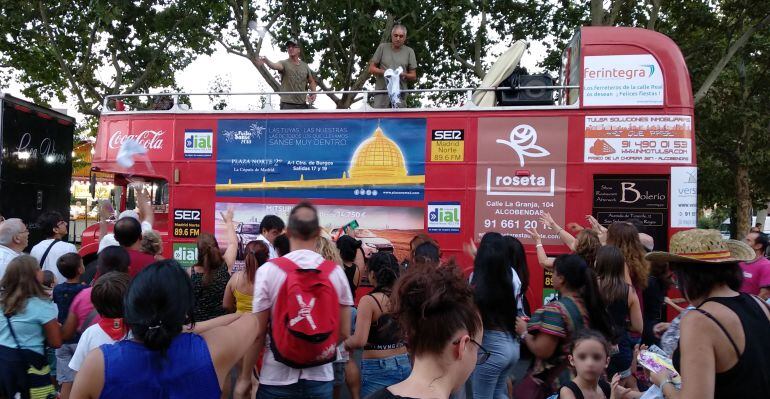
524, 96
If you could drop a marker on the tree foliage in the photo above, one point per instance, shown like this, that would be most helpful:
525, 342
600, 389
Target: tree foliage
87, 50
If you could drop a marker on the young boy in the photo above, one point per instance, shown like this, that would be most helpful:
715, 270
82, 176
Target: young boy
70, 265
107, 297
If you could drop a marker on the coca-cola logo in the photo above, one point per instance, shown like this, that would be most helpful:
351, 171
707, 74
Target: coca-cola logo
149, 139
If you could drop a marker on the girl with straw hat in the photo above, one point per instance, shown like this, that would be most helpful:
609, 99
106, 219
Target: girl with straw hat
724, 350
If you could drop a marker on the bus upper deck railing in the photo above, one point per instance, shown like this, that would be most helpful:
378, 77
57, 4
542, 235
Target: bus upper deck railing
179, 102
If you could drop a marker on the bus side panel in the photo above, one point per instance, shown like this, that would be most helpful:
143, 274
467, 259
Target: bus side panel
449, 181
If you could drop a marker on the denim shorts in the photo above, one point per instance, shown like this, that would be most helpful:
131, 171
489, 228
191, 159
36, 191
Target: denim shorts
339, 373
301, 389
377, 374
63, 356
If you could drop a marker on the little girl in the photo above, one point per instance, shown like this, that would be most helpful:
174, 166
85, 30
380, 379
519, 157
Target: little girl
590, 356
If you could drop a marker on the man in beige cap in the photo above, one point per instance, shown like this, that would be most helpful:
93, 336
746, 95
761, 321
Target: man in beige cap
295, 76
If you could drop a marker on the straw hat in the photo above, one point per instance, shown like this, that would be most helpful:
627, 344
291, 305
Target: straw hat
703, 246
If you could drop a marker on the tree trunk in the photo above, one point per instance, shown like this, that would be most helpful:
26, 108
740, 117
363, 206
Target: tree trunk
597, 13
743, 201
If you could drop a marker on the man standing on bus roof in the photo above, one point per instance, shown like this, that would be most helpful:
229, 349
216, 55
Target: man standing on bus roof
295, 76
391, 56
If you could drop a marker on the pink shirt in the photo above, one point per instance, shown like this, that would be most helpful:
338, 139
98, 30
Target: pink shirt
756, 275
81, 307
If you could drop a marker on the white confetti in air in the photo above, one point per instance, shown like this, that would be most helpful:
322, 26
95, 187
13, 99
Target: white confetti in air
128, 150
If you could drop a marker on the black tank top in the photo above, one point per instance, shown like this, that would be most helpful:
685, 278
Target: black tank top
383, 333
751, 375
618, 311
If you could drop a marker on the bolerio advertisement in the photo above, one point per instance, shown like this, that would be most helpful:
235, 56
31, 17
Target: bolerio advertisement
358, 159
520, 174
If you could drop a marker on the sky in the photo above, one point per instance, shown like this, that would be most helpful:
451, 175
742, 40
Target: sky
244, 77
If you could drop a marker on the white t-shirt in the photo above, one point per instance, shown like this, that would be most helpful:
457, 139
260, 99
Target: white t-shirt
271, 250
109, 239
92, 338
6, 255
58, 249
267, 283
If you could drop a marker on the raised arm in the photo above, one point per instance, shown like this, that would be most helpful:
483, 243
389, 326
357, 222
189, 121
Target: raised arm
542, 258
272, 65
600, 230
144, 205
105, 212
564, 235
232, 239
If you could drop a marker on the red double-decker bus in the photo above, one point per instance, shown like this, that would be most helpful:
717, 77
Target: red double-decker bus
618, 144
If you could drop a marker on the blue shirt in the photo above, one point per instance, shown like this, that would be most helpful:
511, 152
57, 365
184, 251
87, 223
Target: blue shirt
185, 371
28, 325
63, 294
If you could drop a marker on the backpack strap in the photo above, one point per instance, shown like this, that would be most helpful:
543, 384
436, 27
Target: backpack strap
286, 264
45, 254
87, 322
13, 333
574, 388
327, 267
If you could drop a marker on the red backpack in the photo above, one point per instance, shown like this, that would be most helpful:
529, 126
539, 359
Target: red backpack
304, 326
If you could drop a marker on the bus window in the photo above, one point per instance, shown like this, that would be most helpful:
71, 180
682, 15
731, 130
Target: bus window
157, 189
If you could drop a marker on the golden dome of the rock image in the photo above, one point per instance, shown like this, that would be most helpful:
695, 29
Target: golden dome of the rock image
378, 157
377, 161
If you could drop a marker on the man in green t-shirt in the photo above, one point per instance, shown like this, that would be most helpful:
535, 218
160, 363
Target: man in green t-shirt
391, 56
295, 76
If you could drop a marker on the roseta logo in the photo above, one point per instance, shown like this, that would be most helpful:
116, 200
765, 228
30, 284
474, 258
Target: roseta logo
528, 181
523, 141
643, 71
149, 139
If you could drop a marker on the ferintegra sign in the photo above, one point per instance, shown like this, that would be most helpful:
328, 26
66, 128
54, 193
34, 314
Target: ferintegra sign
615, 80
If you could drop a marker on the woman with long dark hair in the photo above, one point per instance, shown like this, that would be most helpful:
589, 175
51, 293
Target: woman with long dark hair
385, 360
552, 328
494, 294
723, 347
211, 273
622, 304
160, 360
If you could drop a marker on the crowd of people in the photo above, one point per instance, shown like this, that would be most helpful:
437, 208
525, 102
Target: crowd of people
311, 316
